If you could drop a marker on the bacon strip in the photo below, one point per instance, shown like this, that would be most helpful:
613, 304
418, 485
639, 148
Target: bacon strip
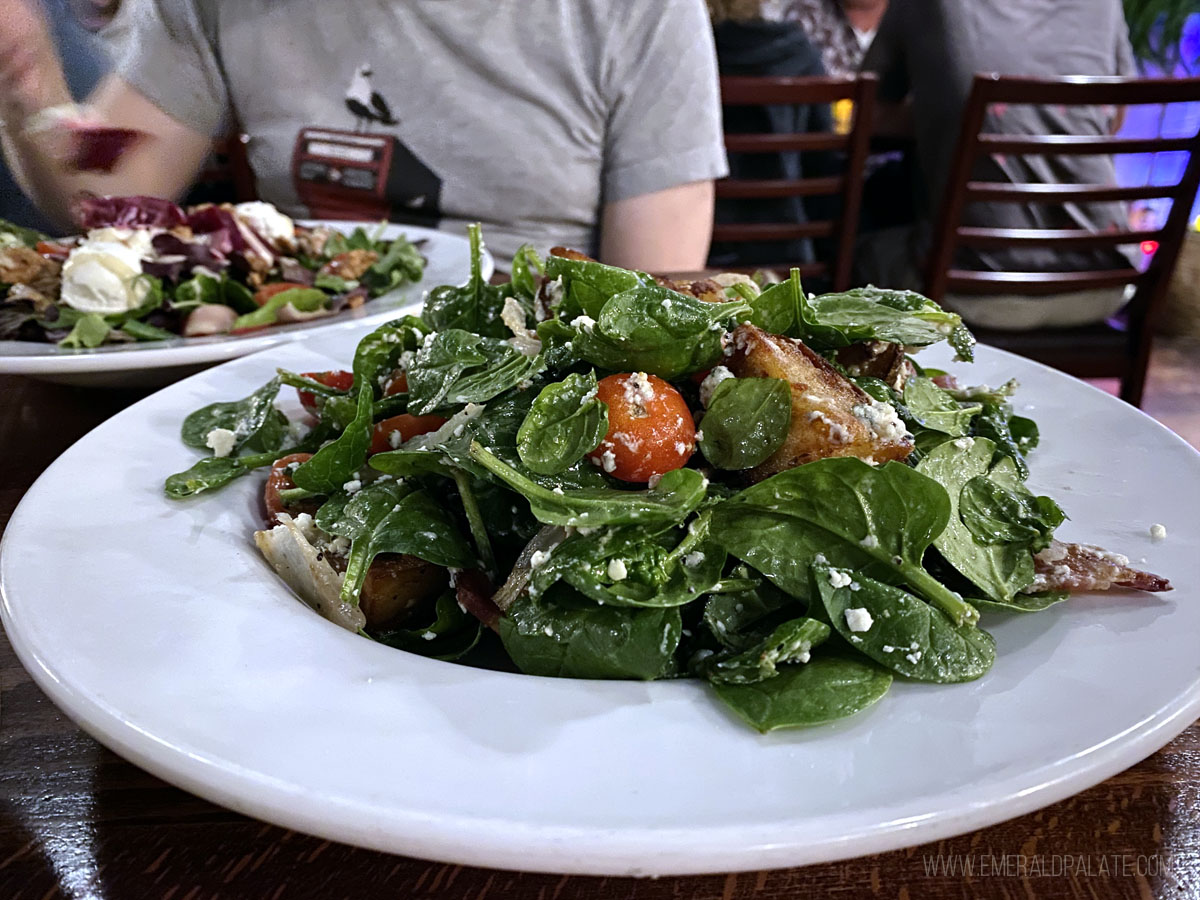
1082, 567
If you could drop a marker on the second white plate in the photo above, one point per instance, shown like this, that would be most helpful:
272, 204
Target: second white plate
448, 261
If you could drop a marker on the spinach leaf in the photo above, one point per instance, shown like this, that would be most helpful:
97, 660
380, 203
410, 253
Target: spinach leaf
219, 289
301, 299
824, 690
216, 471
527, 267
737, 620
565, 423
906, 634
789, 643
880, 520
653, 329
451, 635
933, 408
570, 637
389, 517
996, 513
1023, 603
142, 331
999, 570
1014, 436
747, 420
335, 463
474, 306
677, 494
455, 367
14, 235
837, 320
243, 417
401, 263
376, 355
631, 566
587, 285
90, 330
774, 309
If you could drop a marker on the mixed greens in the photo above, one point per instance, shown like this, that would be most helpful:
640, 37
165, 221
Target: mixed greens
592, 473
146, 270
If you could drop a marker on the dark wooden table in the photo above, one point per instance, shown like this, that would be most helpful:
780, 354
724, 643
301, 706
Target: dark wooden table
77, 821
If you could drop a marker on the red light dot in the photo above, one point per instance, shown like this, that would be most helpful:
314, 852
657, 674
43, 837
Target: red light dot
1149, 247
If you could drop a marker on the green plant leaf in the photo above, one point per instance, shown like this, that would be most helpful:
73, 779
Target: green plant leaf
565, 423
823, 690
747, 420
906, 634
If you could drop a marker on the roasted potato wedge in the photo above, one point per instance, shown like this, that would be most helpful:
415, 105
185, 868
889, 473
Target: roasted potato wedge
398, 584
830, 415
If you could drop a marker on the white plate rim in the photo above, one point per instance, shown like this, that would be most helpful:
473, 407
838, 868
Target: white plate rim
691, 850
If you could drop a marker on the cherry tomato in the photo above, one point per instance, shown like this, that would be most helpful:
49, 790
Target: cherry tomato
280, 479
650, 428
338, 378
398, 384
53, 250
267, 291
408, 426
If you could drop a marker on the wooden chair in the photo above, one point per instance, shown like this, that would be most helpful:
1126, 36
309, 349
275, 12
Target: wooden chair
1118, 348
847, 186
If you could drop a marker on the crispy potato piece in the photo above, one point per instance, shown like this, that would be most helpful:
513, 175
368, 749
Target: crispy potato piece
878, 359
568, 253
398, 584
830, 415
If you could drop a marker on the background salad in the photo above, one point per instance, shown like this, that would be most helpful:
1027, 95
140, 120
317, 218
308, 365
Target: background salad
593, 473
146, 270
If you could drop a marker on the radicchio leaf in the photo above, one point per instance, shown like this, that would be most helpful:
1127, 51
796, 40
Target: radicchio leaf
90, 211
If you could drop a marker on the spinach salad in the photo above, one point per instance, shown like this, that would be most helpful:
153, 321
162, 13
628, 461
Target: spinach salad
594, 473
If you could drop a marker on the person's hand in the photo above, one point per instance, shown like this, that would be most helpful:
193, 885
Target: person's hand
31, 76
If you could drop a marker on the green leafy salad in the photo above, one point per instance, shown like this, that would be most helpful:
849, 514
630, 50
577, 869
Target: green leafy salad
591, 472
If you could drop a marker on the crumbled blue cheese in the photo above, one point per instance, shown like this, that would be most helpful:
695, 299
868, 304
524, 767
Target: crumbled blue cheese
538, 558
694, 559
870, 542
839, 579
617, 570
583, 323
859, 619
221, 441
709, 384
352, 486
1158, 532
883, 421
638, 389
964, 443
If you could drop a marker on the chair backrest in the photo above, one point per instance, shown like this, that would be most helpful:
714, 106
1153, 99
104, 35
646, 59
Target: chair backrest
962, 190
746, 90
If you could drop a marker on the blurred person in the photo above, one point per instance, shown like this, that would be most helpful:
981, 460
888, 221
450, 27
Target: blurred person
927, 53
841, 29
85, 60
748, 44
589, 123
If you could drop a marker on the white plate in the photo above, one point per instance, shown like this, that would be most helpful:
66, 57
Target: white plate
161, 362
157, 627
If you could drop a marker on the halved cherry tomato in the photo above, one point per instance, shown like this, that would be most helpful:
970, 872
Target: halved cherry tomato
267, 291
650, 428
280, 479
52, 250
398, 384
337, 378
408, 426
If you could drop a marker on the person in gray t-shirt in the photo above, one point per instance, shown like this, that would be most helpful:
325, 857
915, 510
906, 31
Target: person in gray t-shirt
589, 123
928, 51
